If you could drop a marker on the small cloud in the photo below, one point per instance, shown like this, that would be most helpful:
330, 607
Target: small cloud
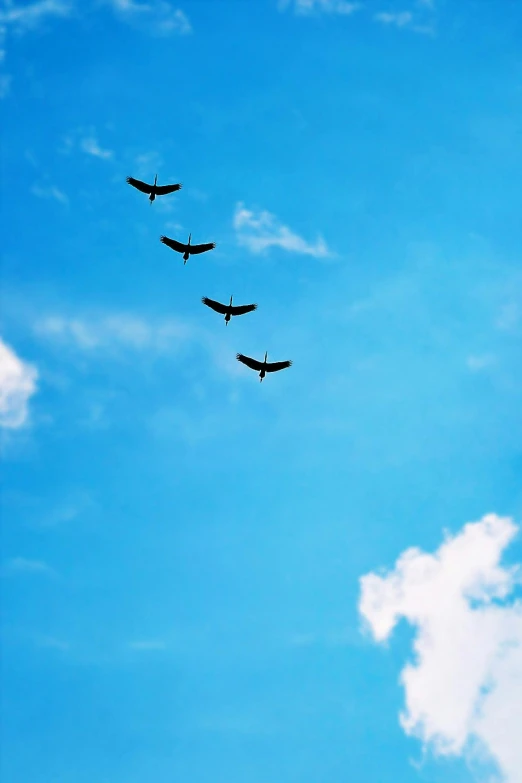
21, 565
261, 231
398, 19
310, 7
113, 331
478, 363
90, 146
49, 192
158, 17
29, 17
17, 386
148, 645
407, 20
50, 642
5, 85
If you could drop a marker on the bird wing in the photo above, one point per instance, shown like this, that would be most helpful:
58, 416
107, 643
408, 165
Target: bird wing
217, 306
194, 249
242, 309
137, 183
252, 363
275, 366
173, 244
162, 190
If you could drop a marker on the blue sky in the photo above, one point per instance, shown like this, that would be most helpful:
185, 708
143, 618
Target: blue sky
183, 546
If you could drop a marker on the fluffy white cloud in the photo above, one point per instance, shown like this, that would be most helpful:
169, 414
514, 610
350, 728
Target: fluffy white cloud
260, 231
463, 691
17, 385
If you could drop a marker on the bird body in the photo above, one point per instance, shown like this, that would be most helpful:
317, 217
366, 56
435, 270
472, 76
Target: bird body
187, 249
264, 366
228, 310
153, 190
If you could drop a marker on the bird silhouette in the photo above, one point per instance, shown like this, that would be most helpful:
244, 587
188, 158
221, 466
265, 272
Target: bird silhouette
153, 190
228, 310
187, 249
262, 367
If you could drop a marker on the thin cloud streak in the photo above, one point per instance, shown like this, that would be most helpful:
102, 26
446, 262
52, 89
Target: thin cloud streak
260, 231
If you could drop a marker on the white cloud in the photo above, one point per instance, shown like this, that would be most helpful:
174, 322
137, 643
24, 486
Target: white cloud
5, 85
157, 16
397, 19
463, 690
260, 231
26, 17
115, 331
90, 145
476, 363
309, 7
418, 23
49, 192
148, 645
17, 385
22, 565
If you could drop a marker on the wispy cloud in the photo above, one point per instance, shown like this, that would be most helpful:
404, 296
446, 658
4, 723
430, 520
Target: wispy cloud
418, 22
464, 689
21, 565
90, 145
310, 7
148, 645
158, 17
17, 386
109, 332
49, 192
477, 363
261, 231
26, 17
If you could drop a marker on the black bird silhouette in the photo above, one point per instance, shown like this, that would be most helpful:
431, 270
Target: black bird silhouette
228, 310
187, 249
153, 190
262, 367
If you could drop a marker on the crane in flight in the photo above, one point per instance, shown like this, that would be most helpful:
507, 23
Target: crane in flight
264, 366
228, 310
153, 190
187, 249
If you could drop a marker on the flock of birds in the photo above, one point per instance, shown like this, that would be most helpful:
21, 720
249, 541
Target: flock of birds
228, 310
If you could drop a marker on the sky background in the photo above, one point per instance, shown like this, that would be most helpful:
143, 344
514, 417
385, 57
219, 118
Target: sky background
182, 546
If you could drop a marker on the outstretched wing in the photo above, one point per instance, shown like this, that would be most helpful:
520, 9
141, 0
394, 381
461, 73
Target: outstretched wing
173, 244
252, 363
162, 190
217, 306
275, 366
137, 183
242, 309
194, 249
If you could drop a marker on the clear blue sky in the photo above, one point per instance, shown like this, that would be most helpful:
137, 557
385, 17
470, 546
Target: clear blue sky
181, 544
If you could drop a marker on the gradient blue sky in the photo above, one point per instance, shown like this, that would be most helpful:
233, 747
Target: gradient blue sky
181, 545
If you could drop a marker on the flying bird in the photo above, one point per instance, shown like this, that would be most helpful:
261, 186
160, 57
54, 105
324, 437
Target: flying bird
262, 367
187, 249
228, 310
153, 190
